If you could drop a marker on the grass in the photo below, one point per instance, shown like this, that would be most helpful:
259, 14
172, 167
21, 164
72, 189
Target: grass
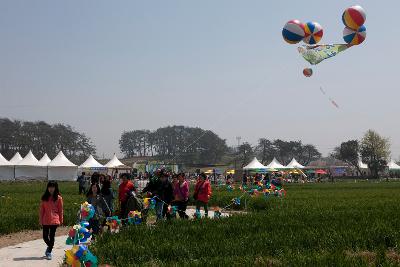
19, 204
343, 224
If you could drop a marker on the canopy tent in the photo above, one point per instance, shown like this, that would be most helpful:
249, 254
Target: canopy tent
6, 169
92, 164
17, 158
60, 168
29, 168
275, 165
294, 165
362, 165
114, 163
254, 165
44, 160
393, 166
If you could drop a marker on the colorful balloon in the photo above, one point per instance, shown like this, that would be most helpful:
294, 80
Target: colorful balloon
293, 31
354, 17
354, 37
313, 33
307, 72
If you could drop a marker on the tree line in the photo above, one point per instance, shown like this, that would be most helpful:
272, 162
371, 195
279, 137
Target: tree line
283, 151
373, 150
178, 144
41, 137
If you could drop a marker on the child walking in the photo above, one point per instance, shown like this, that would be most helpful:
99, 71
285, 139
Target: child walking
51, 215
202, 193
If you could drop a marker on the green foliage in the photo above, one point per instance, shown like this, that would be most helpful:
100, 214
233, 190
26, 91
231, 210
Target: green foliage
178, 143
315, 225
375, 151
40, 137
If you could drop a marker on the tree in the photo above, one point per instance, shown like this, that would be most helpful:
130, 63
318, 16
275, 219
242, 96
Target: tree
245, 152
375, 151
41, 137
309, 153
265, 150
348, 152
175, 144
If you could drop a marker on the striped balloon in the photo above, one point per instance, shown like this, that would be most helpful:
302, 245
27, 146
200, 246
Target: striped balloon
313, 33
293, 32
354, 17
353, 37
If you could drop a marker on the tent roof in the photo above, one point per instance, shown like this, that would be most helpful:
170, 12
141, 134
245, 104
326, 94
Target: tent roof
362, 165
294, 165
254, 164
393, 166
61, 161
45, 160
91, 163
115, 163
17, 158
3, 161
29, 160
275, 165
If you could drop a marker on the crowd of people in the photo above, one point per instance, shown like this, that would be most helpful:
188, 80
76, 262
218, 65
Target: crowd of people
165, 188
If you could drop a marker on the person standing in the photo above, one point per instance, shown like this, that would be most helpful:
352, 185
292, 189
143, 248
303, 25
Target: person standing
181, 195
202, 193
51, 215
108, 194
100, 208
123, 193
164, 195
81, 180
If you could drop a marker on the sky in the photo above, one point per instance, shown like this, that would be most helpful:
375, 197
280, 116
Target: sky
108, 66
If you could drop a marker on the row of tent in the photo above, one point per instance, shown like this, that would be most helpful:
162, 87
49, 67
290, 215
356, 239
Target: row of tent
255, 165
60, 168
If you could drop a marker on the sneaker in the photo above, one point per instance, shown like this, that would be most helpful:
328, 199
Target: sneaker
48, 256
47, 251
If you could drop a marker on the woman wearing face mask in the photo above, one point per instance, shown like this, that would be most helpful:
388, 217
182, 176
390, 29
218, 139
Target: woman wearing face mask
51, 215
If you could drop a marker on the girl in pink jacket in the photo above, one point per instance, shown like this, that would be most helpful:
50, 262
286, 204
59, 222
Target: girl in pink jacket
51, 215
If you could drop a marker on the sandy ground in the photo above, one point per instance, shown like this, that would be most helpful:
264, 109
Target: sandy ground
27, 248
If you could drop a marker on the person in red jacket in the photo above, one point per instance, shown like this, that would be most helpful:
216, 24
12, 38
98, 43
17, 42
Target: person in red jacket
202, 193
51, 215
125, 188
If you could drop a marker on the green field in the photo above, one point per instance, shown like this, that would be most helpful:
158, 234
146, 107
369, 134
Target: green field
344, 224
19, 204
341, 224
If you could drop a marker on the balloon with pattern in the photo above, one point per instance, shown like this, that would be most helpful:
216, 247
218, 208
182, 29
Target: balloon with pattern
308, 72
313, 33
293, 32
354, 37
354, 17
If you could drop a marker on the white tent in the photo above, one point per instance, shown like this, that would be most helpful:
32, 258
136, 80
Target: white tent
44, 160
362, 165
254, 165
393, 166
114, 163
294, 165
29, 168
92, 164
6, 169
60, 168
17, 158
275, 165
